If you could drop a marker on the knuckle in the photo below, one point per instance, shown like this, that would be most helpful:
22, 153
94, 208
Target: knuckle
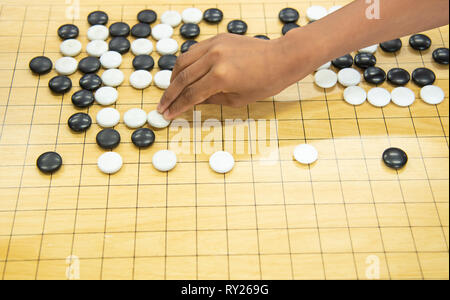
220, 72
182, 77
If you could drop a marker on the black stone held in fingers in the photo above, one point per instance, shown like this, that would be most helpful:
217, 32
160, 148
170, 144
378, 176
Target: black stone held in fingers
49, 162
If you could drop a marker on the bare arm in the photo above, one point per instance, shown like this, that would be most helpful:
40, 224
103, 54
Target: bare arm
237, 70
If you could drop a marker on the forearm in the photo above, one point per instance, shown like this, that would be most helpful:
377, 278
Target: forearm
350, 29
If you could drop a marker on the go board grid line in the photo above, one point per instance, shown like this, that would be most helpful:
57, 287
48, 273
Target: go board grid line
423, 158
254, 188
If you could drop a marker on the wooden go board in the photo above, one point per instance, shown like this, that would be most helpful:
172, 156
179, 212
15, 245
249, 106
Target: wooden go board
270, 218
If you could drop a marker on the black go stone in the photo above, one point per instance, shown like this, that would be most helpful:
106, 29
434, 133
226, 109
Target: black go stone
98, 18
119, 44
213, 15
398, 76
423, 77
343, 62
186, 45
91, 82
119, 29
83, 98
80, 122
143, 138
147, 16
190, 31
89, 65
289, 15
108, 139
167, 62
441, 56
141, 30
365, 60
288, 27
143, 62
49, 162
60, 84
375, 75
395, 158
68, 31
392, 46
420, 42
237, 27
262, 37
41, 65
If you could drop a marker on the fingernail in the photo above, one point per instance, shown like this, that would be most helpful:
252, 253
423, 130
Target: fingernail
166, 115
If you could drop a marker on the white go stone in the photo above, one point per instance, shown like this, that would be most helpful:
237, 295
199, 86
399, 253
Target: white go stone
221, 162
379, 97
156, 120
403, 96
316, 12
432, 94
108, 117
171, 18
324, 66
326, 78
98, 32
167, 46
192, 15
371, 49
334, 9
355, 95
141, 79
349, 77
110, 162
135, 118
164, 160
71, 47
306, 154
66, 66
97, 48
106, 95
111, 60
162, 79
141, 47
113, 77
162, 31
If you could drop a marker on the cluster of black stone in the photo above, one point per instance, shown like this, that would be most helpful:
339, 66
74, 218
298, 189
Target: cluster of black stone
289, 17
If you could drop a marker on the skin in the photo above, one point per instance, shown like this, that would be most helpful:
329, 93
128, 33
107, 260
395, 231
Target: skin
237, 70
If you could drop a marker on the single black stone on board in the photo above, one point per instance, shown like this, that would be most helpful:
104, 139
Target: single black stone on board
288, 27
365, 60
343, 62
80, 122
237, 27
398, 76
423, 77
167, 62
83, 98
420, 42
147, 16
288, 15
143, 138
60, 84
108, 138
98, 18
119, 29
392, 46
190, 31
49, 162
119, 44
141, 30
395, 158
41, 65
213, 15
143, 62
262, 37
441, 56
186, 45
375, 75
91, 82
89, 65
68, 31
